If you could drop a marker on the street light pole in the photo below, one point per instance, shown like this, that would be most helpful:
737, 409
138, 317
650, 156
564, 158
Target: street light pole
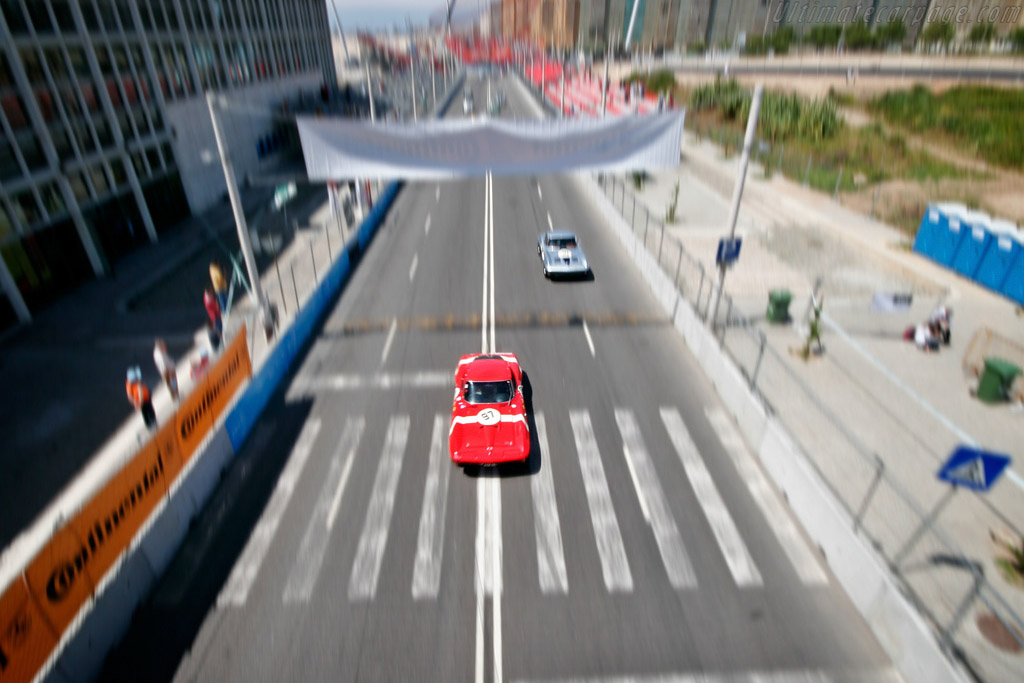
236, 208
369, 92
734, 210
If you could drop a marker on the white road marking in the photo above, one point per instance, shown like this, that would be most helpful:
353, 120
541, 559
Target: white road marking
437, 193
880, 675
539, 194
737, 557
412, 267
483, 322
236, 590
302, 578
426, 575
548, 531
490, 191
590, 340
426, 226
370, 553
803, 559
387, 341
614, 565
551, 226
427, 379
488, 566
654, 504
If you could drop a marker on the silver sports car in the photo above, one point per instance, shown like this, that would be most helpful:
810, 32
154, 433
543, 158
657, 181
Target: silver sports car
561, 255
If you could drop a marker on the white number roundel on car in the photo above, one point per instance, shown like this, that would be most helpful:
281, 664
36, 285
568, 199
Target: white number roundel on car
489, 416
564, 253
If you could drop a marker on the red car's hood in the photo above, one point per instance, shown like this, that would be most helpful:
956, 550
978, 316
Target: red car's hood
485, 432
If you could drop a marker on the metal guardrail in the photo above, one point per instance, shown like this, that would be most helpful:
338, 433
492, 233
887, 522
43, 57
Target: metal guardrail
942, 581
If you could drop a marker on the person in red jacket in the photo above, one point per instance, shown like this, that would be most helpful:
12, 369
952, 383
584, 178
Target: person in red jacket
138, 395
213, 309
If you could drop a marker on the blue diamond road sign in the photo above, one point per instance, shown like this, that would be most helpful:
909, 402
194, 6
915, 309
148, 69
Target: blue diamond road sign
973, 468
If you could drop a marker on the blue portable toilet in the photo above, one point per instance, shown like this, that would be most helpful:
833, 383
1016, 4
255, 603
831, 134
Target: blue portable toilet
927, 232
1013, 285
999, 257
973, 243
942, 237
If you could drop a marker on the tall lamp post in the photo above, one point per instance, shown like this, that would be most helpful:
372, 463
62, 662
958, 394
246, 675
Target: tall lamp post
236, 207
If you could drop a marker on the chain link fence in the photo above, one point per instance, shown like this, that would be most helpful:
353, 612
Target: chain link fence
945, 583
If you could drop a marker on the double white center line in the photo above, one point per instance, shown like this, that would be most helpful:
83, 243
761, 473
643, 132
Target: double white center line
488, 283
488, 512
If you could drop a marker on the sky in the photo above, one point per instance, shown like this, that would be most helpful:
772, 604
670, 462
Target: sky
378, 15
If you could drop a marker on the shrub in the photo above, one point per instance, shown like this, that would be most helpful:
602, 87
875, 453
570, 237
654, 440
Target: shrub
825, 35
938, 32
891, 32
859, 37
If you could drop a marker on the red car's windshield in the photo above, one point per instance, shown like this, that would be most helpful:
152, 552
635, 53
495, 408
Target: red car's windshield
487, 392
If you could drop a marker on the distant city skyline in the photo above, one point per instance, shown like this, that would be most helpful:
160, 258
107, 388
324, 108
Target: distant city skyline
379, 15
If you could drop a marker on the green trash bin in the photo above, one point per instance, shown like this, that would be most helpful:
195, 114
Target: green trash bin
996, 379
778, 305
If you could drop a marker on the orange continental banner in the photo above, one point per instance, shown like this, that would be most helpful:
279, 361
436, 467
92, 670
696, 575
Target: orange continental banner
200, 410
38, 606
25, 639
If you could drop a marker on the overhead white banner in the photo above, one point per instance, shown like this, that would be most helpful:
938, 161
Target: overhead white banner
337, 149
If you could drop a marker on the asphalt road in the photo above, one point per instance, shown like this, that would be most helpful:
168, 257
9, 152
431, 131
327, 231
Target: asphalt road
640, 540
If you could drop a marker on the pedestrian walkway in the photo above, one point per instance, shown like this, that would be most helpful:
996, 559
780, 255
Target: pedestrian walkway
423, 569
59, 451
871, 405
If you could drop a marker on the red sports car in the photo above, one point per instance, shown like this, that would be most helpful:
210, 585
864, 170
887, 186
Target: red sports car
488, 414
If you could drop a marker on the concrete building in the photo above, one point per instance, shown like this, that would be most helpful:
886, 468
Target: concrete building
104, 128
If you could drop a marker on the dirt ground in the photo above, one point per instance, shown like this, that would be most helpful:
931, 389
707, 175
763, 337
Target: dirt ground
1000, 192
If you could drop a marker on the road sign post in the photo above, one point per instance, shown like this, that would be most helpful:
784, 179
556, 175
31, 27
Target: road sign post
966, 467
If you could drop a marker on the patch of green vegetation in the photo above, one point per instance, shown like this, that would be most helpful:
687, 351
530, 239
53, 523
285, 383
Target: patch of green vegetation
976, 117
658, 81
807, 140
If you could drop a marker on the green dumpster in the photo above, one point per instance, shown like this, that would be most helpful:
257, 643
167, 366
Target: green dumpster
778, 305
996, 379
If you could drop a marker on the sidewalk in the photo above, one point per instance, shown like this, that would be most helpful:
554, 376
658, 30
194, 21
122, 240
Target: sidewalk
68, 421
871, 394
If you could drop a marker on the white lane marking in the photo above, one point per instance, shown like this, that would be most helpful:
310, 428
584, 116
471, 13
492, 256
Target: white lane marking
302, 578
803, 559
539, 194
737, 557
370, 553
487, 574
864, 675
387, 341
426, 575
490, 191
614, 565
654, 504
412, 267
496, 575
426, 226
483, 322
236, 590
437, 193
590, 340
427, 379
551, 226
548, 531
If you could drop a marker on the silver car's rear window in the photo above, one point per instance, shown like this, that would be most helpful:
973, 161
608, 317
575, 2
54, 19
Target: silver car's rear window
563, 243
487, 392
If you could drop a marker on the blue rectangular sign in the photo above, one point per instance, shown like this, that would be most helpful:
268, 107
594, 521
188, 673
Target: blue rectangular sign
973, 468
728, 251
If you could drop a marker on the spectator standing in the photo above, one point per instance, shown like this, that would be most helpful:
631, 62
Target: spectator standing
165, 366
138, 395
220, 285
213, 309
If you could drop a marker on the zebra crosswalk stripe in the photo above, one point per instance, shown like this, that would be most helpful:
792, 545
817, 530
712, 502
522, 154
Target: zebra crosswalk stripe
804, 561
654, 504
550, 557
426, 575
366, 568
737, 557
614, 565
